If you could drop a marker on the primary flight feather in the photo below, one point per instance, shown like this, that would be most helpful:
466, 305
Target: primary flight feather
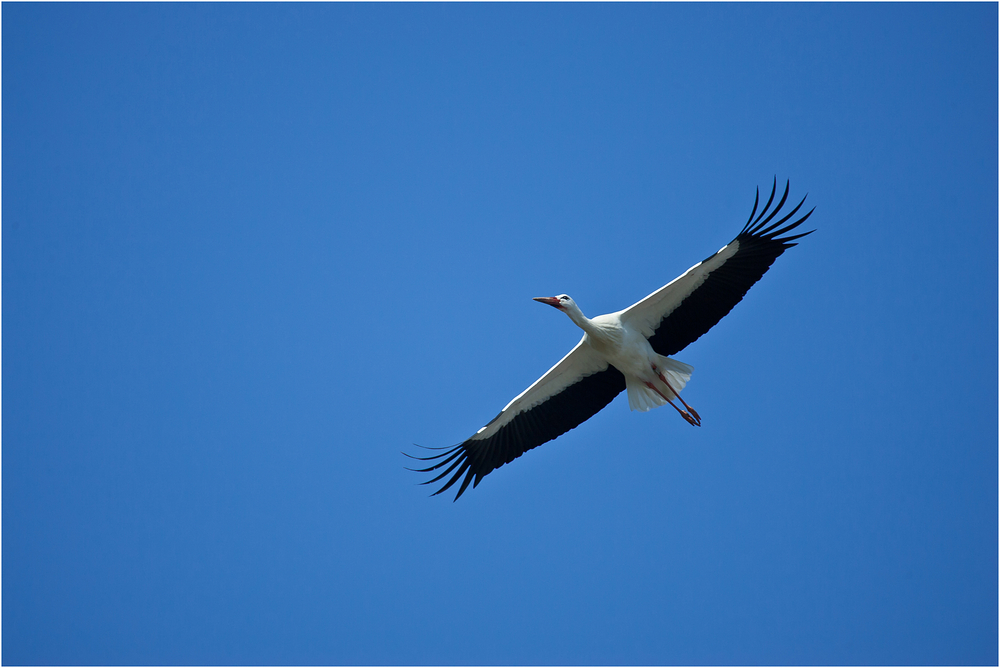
627, 350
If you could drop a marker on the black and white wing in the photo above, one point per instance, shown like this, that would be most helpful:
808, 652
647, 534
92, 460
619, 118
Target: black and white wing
577, 387
681, 311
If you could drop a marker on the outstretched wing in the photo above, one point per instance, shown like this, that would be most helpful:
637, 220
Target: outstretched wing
681, 311
577, 387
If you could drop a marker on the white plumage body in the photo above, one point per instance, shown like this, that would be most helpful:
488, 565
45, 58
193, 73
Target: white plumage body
628, 350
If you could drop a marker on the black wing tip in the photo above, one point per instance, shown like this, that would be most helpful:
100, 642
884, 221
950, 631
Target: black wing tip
428, 447
452, 457
761, 228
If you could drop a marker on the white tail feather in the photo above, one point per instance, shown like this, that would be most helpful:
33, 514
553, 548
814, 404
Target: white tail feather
642, 398
678, 373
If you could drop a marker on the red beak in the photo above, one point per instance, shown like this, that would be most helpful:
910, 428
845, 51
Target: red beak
551, 301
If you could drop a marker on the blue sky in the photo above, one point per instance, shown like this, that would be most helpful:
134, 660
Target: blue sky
252, 252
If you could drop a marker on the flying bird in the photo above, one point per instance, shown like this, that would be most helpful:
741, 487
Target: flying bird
627, 350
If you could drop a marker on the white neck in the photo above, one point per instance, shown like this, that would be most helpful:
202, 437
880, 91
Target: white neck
577, 316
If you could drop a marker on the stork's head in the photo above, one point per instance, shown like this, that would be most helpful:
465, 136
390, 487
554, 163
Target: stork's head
561, 302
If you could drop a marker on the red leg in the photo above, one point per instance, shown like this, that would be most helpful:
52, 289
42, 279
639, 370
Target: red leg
677, 394
684, 414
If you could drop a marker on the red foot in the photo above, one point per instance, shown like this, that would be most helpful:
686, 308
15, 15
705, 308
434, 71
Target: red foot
691, 420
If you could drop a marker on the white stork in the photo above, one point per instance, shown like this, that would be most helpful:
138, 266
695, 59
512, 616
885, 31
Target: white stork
626, 350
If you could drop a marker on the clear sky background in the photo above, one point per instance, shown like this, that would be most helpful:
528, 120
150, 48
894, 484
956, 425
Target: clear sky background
252, 252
